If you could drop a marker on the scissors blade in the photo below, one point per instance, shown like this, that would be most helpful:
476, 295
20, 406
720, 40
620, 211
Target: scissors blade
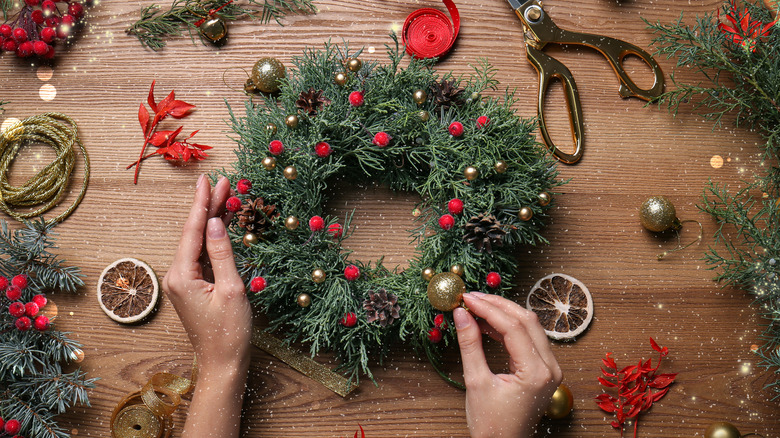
516, 4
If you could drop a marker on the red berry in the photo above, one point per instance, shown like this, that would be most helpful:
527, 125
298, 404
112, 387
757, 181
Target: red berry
2, 424
20, 281
32, 2
48, 6
257, 284
3, 283
276, 147
52, 21
316, 223
356, 98
382, 139
40, 300
440, 322
455, 206
12, 427
68, 20
63, 31
76, 9
322, 149
243, 186
446, 221
348, 320
335, 230
24, 50
41, 323
40, 48
351, 273
456, 129
493, 280
31, 309
20, 35
233, 204
49, 54
37, 16
482, 121
9, 45
6, 31
23, 324
16, 309
435, 335
13, 293
48, 34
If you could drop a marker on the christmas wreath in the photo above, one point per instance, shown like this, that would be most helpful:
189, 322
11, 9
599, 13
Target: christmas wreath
483, 181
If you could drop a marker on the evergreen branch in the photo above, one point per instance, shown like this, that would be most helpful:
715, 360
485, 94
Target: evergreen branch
5, 6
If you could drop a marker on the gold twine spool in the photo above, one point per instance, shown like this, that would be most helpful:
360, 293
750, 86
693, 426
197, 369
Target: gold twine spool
48, 186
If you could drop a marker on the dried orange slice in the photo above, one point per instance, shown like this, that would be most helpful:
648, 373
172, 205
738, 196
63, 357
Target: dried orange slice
128, 290
563, 304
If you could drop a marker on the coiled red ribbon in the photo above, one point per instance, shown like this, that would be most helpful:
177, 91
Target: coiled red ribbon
429, 33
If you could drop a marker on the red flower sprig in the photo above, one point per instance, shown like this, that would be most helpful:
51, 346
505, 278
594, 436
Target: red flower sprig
638, 386
743, 32
166, 142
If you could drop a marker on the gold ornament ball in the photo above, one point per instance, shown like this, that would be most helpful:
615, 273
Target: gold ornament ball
420, 96
214, 29
657, 214
340, 79
270, 128
424, 116
445, 291
354, 65
269, 163
561, 403
304, 300
291, 121
267, 73
290, 172
525, 214
500, 166
722, 429
544, 199
427, 274
457, 269
291, 223
250, 239
318, 275
77, 355
471, 173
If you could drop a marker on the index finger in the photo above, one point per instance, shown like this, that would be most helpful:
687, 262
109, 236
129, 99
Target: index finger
191, 243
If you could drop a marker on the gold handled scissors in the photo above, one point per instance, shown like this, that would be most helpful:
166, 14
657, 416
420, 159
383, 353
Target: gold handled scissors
540, 30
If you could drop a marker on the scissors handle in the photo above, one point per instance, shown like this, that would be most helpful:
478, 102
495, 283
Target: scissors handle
550, 68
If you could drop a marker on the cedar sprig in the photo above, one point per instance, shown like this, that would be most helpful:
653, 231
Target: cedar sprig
5, 6
156, 24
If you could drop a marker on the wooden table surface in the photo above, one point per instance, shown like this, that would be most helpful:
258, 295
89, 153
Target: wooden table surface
631, 153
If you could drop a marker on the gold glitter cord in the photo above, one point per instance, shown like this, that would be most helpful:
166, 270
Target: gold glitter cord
48, 186
302, 363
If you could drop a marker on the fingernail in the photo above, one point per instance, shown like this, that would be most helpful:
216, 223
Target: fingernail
476, 294
200, 181
460, 315
216, 228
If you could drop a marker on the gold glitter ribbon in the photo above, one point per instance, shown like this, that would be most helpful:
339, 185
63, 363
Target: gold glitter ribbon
302, 363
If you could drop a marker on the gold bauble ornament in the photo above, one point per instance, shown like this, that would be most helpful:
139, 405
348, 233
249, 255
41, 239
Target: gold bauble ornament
471, 173
354, 65
445, 291
266, 74
50, 310
340, 79
304, 300
291, 121
420, 96
250, 239
561, 403
269, 163
318, 275
270, 128
657, 214
427, 274
500, 166
544, 199
214, 29
291, 223
290, 172
722, 429
525, 214
457, 269
424, 115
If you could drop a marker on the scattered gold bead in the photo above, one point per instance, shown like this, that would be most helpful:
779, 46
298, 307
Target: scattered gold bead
420, 96
544, 199
354, 64
291, 121
525, 214
457, 269
340, 79
269, 163
77, 355
471, 173
290, 172
424, 115
250, 239
428, 273
500, 166
291, 223
416, 212
561, 403
270, 128
318, 275
304, 300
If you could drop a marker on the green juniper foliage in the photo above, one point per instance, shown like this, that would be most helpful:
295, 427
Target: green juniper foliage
739, 61
422, 157
156, 25
5, 6
34, 388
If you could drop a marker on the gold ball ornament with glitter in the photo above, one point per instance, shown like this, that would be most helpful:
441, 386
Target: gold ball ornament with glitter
266, 74
291, 121
561, 403
290, 172
318, 275
657, 214
525, 214
500, 166
445, 291
340, 79
214, 29
250, 239
424, 116
457, 269
291, 223
269, 163
471, 173
722, 429
544, 199
303, 300
271, 128
420, 96
427, 274
354, 65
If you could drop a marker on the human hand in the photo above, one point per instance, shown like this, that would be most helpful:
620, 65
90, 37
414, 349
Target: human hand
505, 405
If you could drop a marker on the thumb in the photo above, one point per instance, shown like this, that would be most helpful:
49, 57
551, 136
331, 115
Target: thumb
475, 367
220, 253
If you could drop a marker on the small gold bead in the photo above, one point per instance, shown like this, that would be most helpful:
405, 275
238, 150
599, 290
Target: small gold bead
304, 300
500, 166
291, 223
340, 79
428, 273
471, 173
354, 65
290, 172
544, 199
420, 96
318, 275
271, 128
424, 115
416, 212
77, 355
250, 239
269, 163
525, 214
291, 121
457, 269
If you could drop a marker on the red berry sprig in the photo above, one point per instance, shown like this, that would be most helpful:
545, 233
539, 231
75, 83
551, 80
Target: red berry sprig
11, 427
25, 314
351, 273
35, 29
348, 320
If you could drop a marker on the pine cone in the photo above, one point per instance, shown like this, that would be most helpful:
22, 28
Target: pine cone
446, 94
381, 306
484, 232
312, 101
257, 217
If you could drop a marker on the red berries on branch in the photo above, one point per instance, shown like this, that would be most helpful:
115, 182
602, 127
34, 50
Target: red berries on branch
35, 29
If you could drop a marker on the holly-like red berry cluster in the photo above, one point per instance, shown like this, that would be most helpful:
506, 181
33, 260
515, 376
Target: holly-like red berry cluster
38, 26
26, 314
11, 428
436, 333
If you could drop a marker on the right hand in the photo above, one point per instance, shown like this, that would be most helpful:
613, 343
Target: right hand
505, 405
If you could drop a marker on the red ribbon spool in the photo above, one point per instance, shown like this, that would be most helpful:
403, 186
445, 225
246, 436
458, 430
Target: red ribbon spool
428, 33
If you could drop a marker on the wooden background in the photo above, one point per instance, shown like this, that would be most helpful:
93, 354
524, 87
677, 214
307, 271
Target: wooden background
632, 152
